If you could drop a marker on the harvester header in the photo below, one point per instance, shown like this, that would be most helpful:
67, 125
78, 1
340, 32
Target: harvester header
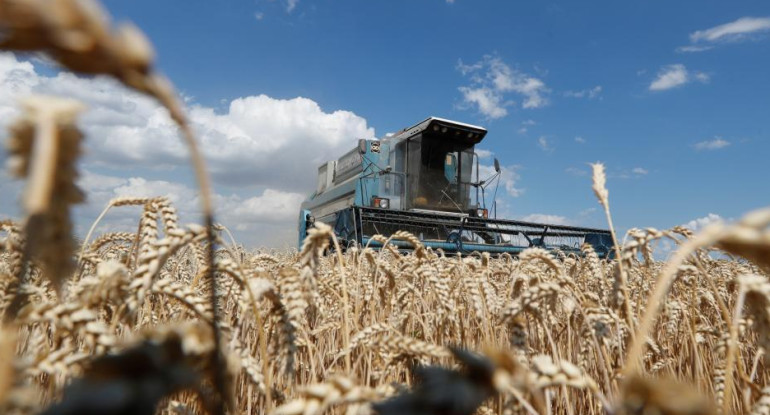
425, 180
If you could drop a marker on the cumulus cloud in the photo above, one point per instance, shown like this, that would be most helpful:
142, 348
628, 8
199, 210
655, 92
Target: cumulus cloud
590, 93
509, 178
260, 138
736, 30
483, 154
493, 81
257, 141
270, 208
700, 223
262, 218
488, 101
676, 75
670, 76
262, 152
714, 144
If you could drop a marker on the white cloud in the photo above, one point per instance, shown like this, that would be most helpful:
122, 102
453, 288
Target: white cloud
522, 130
670, 76
272, 205
580, 140
528, 122
702, 77
276, 141
547, 219
735, 30
509, 178
182, 196
700, 223
590, 93
488, 101
290, 5
693, 49
745, 28
543, 143
640, 171
263, 152
483, 154
259, 15
492, 79
266, 218
533, 89
271, 208
715, 144
257, 141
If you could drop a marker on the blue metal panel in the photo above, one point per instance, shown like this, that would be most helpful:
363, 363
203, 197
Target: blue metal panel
365, 186
374, 162
330, 195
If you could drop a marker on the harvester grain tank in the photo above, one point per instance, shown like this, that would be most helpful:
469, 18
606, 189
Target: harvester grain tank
425, 180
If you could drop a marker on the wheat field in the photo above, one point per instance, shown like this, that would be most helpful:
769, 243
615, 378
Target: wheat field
179, 318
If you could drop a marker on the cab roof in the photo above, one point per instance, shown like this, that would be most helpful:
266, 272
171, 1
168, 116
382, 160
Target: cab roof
443, 126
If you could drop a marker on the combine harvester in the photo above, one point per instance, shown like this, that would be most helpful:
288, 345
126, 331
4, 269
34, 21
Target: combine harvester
425, 180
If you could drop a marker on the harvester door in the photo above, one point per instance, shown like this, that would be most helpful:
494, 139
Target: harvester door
450, 167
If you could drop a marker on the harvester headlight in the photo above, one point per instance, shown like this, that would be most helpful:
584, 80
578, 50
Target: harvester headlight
381, 202
443, 130
482, 213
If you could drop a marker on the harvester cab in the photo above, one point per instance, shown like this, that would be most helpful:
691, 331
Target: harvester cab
427, 180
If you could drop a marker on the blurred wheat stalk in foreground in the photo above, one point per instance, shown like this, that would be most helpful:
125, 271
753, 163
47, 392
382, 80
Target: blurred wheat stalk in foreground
134, 325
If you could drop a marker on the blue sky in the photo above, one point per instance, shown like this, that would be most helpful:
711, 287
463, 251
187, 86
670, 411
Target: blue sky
673, 97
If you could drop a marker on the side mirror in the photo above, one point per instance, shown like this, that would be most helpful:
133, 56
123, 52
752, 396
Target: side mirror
497, 165
450, 168
362, 146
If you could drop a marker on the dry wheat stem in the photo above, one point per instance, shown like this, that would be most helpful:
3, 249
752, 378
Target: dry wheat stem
245, 318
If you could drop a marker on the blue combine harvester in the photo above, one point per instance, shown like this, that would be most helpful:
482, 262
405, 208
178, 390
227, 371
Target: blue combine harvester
425, 180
